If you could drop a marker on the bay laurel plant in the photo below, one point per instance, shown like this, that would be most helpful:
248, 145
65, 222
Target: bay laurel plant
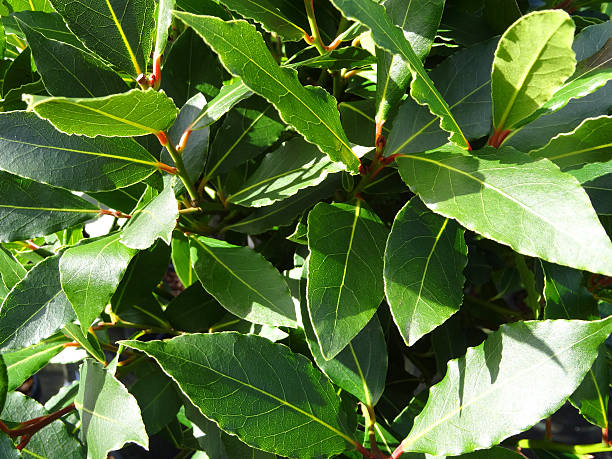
330, 228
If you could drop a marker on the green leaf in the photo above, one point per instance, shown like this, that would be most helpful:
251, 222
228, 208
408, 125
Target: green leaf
244, 282
284, 212
29, 209
361, 367
194, 310
52, 442
7, 448
50, 25
157, 398
67, 70
229, 95
262, 392
282, 173
533, 59
86, 340
419, 20
312, 111
72, 162
164, 20
424, 261
271, 14
90, 273
190, 68
553, 217
248, 130
588, 143
11, 272
22, 364
110, 416
119, 31
499, 15
36, 308
154, 218
195, 151
19, 73
181, 259
567, 298
359, 123
525, 370
391, 38
133, 113
4, 382
338, 59
345, 271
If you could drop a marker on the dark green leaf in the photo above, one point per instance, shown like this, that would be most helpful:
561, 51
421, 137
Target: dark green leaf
157, 398
554, 218
194, 310
248, 130
282, 173
244, 282
424, 261
533, 59
499, 15
262, 392
230, 94
19, 73
86, 340
36, 307
129, 114
190, 68
312, 111
11, 272
110, 416
50, 25
120, 31
525, 370
338, 59
67, 70
23, 363
32, 148
345, 272
154, 218
29, 209
90, 273
181, 259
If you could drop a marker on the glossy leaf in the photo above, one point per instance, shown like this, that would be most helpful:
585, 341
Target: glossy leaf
52, 442
181, 259
345, 281
567, 298
194, 310
67, 70
338, 59
311, 111
29, 209
282, 173
190, 68
533, 59
36, 308
283, 213
230, 94
73, 162
110, 416
154, 218
90, 273
11, 272
588, 143
22, 364
388, 36
554, 218
525, 369
424, 261
86, 340
244, 282
248, 130
270, 13
361, 367
50, 25
164, 19
129, 114
119, 31
419, 20
260, 391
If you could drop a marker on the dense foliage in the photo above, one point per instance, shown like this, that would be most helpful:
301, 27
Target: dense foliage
274, 228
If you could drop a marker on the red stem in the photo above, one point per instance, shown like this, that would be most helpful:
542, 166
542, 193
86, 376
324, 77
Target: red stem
604, 435
27, 429
398, 452
498, 137
166, 168
114, 213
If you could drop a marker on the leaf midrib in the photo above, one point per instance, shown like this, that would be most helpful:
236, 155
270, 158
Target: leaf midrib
517, 376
